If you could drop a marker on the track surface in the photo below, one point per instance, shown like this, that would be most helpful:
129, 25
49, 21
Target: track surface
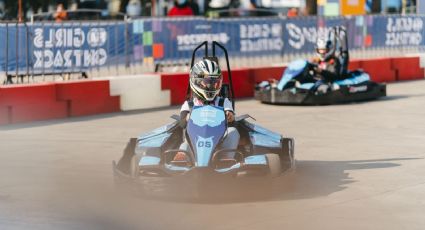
360, 166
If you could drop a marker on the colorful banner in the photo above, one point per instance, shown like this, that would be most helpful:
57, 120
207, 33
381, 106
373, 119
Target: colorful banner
168, 39
74, 47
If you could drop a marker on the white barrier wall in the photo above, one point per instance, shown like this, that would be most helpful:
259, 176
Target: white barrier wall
139, 91
422, 60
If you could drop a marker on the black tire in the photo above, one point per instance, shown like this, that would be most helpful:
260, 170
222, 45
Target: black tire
275, 166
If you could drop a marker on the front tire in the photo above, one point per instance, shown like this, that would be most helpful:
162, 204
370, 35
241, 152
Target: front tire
275, 167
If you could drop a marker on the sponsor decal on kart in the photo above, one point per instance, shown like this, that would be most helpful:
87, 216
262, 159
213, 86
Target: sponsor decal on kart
357, 89
207, 115
204, 148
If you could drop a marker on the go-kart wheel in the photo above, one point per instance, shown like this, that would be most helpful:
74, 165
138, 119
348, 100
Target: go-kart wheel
275, 167
134, 167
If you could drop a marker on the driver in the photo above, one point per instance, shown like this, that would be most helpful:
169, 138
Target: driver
205, 79
331, 63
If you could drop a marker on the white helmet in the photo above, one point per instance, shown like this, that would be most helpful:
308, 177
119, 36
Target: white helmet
206, 79
324, 48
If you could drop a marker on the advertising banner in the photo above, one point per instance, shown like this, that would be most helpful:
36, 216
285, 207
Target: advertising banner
300, 35
74, 47
67, 47
168, 39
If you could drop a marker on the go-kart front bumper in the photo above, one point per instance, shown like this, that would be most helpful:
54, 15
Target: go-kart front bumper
153, 166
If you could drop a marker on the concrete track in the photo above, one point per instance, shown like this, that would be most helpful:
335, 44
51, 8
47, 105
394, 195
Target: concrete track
360, 166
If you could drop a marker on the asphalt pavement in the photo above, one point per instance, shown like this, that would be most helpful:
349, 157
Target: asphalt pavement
359, 166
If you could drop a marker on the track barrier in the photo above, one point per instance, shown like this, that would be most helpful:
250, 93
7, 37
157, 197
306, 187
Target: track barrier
25, 103
139, 92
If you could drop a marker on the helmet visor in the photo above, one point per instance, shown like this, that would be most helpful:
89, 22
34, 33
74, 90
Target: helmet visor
208, 84
322, 51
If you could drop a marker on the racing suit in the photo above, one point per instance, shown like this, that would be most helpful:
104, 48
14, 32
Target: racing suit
335, 67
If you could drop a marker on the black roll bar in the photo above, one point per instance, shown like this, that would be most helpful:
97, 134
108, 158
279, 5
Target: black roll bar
214, 44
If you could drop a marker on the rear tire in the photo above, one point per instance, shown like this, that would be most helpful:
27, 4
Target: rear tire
275, 166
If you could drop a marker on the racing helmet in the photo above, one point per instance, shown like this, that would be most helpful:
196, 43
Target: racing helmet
205, 79
324, 48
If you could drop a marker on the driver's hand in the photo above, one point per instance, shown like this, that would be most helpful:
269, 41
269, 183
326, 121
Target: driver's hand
230, 116
317, 69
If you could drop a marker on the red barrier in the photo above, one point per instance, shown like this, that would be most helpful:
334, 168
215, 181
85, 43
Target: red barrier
87, 97
4, 115
81, 90
354, 65
11, 95
407, 68
24, 103
379, 69
92, 106
30, 103
267, 73
243, 83
177, 84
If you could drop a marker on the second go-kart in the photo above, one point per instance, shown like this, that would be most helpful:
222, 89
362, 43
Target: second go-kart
260, 152
298, 87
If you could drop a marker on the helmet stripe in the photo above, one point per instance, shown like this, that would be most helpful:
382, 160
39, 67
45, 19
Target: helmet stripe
213, 67
206, 65
209, 67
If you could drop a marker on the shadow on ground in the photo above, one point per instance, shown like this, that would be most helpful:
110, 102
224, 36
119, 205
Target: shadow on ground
321, 178
311, 179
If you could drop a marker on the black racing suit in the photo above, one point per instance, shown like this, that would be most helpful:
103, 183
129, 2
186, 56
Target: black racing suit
332, 69
336, 67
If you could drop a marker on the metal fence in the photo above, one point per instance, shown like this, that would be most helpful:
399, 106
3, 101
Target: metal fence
104, 48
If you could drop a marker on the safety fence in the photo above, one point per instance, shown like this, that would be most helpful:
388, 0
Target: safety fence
123, 47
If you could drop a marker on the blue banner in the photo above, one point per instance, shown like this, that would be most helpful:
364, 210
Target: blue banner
398, 31
56, 48
73, 46
170, 39
301, 34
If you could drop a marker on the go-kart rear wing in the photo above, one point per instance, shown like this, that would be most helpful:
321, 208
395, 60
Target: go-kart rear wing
214, 58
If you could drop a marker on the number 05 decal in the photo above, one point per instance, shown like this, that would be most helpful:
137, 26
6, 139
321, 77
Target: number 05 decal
206, 144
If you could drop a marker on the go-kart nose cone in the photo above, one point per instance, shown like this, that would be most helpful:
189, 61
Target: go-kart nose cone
206, 127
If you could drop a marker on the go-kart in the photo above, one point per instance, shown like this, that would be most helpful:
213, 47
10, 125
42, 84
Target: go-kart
260, 152
298, 86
